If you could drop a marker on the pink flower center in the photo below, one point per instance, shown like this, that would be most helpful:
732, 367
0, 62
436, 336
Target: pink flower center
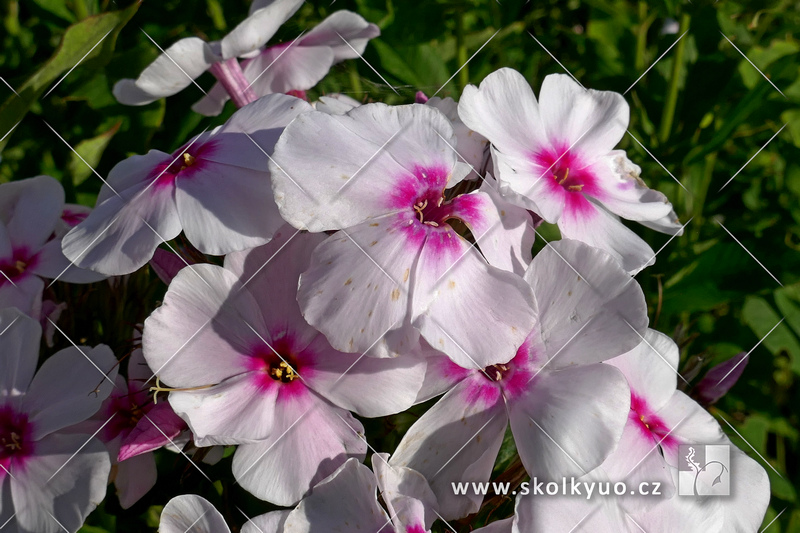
276, 363
432, 210
565, 169
497, 372
128, 409
648, 422
185, 161
15, 437
14, 267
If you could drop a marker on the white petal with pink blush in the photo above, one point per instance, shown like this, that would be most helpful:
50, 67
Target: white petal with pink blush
566, 409
661, 419
557, 156
251, 371
30, 243
215, 189
398, 267
47, 478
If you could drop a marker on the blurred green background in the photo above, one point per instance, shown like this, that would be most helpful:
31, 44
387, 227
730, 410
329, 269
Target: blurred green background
704, 112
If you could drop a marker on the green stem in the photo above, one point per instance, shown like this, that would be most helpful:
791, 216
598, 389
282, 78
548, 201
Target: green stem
461, 47
672, 95
641, 36
355, 81
700, 194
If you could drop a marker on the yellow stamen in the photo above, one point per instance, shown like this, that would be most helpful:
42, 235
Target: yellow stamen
20, 266
575, 187
15, 442
283, 372
566, 175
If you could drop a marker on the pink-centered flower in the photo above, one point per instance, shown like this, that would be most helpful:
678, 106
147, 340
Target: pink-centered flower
215, 188
251, 371
296, 66
181, 63
49, 481
565, 408
557, 158
661, 418
30, 247
132, 426
399, 268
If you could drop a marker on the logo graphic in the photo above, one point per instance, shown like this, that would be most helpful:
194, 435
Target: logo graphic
704, 470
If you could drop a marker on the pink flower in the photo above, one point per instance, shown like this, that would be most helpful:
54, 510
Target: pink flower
251, 371
215, 188
49, 481
30, 248
661, 418
297, 66
132, 427
557, 158
398, 268
565, 408
181, 63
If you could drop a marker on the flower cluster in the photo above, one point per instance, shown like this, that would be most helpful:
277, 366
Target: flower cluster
376, 257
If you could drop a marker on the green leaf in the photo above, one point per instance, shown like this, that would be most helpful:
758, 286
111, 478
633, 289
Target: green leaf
761, 317
90, 41
87, 155
57, 8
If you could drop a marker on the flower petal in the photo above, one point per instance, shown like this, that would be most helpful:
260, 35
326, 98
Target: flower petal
200, 336
368, 386
171, 72
274, 269
637, 461
588, 222
238, 410
623, 191
651, 368
406, 493
52, 263
213, 102
159, 428
589, 121
121, 234
358, 286
568, 514
336, 171
456, 297
345, 501
19, 345
135, 477
70, 387
504, 232
272, 522
191, 512
689, 423
456, 439
345, 32
590, 309
65, 480
258, 28
30, 210
311, 439
288, 67
505, 111
25, 294
568, 421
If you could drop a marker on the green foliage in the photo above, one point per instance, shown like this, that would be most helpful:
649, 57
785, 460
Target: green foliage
704, 111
